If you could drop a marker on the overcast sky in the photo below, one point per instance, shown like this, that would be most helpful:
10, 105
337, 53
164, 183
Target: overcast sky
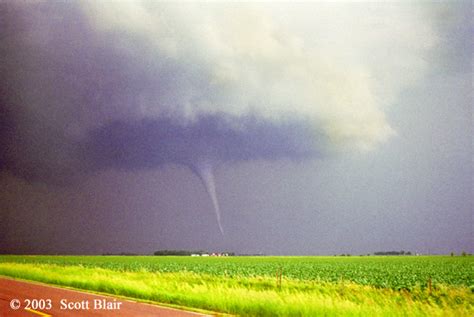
312, 128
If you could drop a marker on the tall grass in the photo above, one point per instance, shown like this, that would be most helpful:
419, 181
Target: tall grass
254, 296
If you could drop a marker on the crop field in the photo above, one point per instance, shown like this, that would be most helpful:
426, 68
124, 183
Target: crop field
252, 286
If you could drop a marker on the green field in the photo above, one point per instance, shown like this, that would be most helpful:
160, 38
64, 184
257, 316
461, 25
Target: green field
370, 285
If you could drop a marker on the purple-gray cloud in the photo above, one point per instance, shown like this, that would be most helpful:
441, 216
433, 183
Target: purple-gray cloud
86, 87
72, 104
173, 83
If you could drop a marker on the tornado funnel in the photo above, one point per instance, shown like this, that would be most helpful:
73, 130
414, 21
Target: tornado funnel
205, 174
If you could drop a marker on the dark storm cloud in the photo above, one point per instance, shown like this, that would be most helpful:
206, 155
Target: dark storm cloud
71, 103
150, 143
40, 153
75, 101
87, 86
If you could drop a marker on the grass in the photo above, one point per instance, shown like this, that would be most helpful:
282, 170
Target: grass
397, 272
249, 294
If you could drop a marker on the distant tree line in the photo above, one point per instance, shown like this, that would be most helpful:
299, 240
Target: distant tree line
178, 252
392, 253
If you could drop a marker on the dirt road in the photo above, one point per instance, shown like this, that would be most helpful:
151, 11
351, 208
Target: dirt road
44, 300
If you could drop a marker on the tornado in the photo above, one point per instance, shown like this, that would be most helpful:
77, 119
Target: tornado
204, 171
